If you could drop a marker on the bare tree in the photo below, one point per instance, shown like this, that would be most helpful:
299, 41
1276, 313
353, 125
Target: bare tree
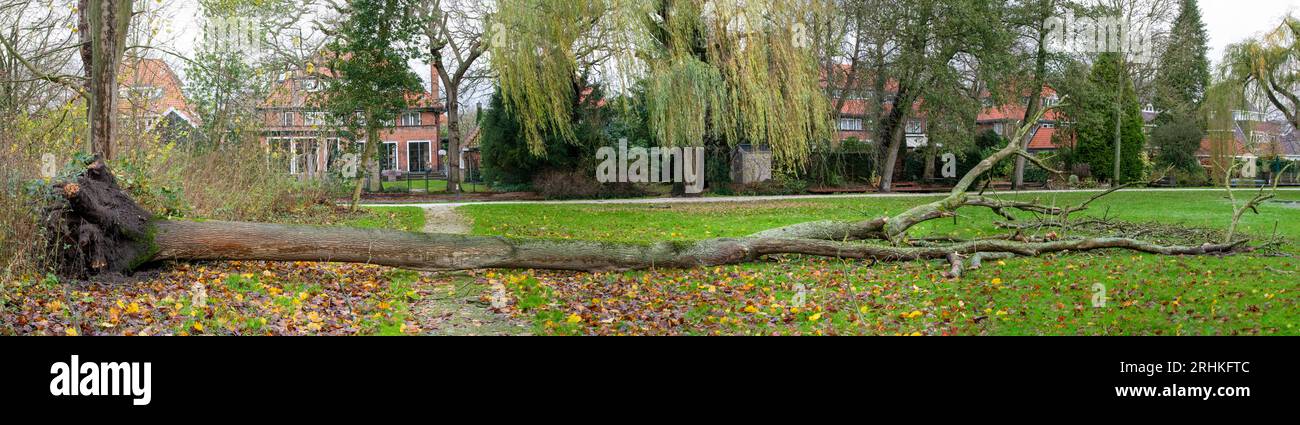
36, 55
455, 31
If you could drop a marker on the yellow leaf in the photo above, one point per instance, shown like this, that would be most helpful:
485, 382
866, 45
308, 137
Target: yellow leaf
751, 309
574, 318
814, 317
863, 309
997, 281
71, 332
198, 326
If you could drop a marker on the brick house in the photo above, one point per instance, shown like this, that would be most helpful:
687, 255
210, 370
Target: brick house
1254, 134
854, 121
150, 98
1004, 120
296, 131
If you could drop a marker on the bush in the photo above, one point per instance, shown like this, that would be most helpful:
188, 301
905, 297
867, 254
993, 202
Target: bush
507, 161
572, 184
778, 186
1190, 178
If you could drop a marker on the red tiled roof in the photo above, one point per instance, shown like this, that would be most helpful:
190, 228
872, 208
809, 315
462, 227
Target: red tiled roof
155, 74
1043, 139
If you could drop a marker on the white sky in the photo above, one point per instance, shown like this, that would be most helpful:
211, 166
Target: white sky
1227, 21
1231, 21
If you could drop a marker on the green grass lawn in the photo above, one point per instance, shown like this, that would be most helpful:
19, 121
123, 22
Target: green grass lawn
410, 219
434, 186
1051, 295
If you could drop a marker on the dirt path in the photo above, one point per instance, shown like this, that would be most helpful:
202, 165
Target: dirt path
458, 304
444, 219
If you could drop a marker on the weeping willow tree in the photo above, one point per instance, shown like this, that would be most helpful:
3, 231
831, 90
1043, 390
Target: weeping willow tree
1267, 67
718, 72
1222, 100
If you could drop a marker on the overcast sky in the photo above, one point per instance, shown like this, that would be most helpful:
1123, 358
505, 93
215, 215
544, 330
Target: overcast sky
1228, 21
1231, 21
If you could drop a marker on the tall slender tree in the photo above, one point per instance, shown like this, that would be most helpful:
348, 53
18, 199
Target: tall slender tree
454, 31
1184, 72
1093, 111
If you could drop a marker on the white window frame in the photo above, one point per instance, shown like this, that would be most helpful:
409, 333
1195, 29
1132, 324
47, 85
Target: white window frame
396, 164
428, 152
286, 119
851, 124
404, 122
315, 118
918, 128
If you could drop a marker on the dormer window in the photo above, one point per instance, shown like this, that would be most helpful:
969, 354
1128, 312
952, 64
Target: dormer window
410, 119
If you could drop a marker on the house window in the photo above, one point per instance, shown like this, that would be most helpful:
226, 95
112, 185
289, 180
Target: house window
388, 157
410, 119
418, 156
311, 85
286, 119
850, 124
915, 127
140, 92
313, 118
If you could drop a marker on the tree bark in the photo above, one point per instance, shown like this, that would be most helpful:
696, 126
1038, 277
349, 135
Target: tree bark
370, 156
103, 25
183, 240
453, 141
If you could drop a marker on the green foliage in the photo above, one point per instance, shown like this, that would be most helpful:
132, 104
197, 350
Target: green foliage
706, 81
1175, 141
1184, 72
225, 91
370, 64
508, 162
1093, 109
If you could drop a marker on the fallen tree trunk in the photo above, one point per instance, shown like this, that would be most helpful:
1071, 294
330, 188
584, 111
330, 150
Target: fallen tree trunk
98, 229
216, 240
110, 233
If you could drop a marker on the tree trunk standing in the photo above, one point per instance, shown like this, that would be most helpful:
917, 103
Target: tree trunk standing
374, 178
104, 26
1036, 91
1019, 180
454, 170
896, 134
930, 151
